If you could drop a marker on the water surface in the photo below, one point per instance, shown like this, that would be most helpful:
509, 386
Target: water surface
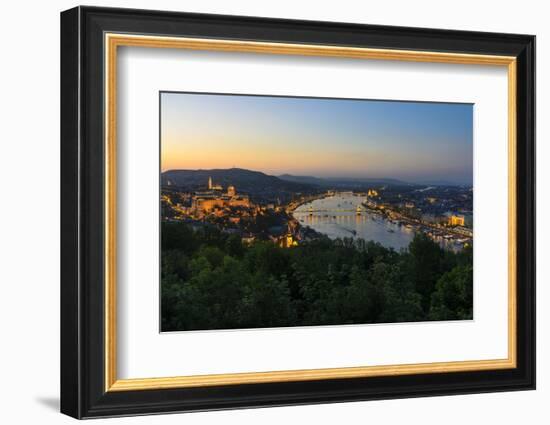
337, 217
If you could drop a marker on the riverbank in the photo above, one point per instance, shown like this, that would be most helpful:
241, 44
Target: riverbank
341, 216
436, 232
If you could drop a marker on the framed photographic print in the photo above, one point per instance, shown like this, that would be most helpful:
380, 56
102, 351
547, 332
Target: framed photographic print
261, 212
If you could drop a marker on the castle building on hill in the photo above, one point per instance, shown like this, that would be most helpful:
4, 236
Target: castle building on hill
208, 201
212, 186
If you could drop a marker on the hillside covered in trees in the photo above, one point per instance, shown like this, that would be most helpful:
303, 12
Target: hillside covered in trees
210, 280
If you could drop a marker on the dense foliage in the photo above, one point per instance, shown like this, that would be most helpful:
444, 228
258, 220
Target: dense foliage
210, 280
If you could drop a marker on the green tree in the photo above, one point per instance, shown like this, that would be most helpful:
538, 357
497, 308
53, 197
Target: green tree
175, 262
171, 288
210, 280
426, 258
178, 236
213, 254
267, 303
213, 298
268, 258
401, 302
453, 297
363, 297
234, 246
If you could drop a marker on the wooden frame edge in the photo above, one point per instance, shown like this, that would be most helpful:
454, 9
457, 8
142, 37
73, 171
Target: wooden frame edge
307, 375
114, 40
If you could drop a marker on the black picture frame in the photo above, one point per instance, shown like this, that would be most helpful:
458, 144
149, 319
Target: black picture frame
83, 392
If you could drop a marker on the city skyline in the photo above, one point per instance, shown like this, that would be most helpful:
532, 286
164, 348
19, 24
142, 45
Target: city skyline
346, 138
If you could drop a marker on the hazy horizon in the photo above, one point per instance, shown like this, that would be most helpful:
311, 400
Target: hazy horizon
425, 182
414, 142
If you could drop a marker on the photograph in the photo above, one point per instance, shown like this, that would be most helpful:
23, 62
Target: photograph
284, 211
265, 209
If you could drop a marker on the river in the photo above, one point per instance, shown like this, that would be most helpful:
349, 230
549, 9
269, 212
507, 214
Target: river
336, 216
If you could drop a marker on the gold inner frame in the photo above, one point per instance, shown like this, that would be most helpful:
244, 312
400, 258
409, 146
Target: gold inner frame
113, 41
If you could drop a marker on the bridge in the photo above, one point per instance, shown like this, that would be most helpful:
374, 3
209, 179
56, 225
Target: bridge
311, 211
292, 206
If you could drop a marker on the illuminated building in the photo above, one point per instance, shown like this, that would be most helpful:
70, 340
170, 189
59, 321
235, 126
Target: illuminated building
212, 186
372, 192
286, 241
456, 220
206, 202
290, 241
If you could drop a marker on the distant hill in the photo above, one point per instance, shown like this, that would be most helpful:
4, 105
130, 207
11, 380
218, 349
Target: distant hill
441, 183
303, 179
343, 182
245, 181
256, 182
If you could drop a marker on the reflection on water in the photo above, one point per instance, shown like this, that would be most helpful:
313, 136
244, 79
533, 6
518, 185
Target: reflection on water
337, 217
